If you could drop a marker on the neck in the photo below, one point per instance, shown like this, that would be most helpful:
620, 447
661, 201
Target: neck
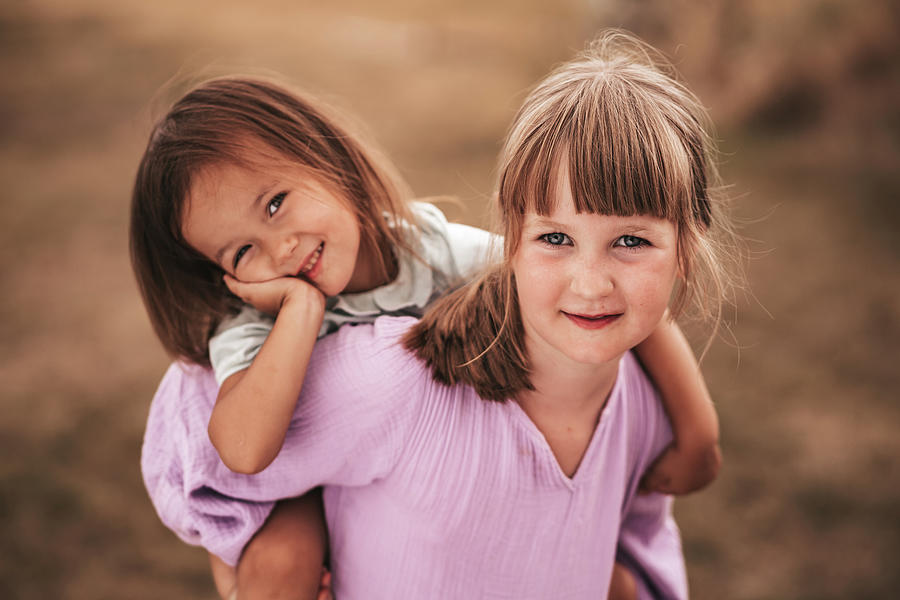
370, 272
576, 390
566, 405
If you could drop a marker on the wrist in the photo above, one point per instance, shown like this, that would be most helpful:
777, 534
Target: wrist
300, 301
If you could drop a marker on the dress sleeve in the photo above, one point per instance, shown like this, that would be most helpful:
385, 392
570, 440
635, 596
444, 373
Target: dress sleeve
649, 540
360, 397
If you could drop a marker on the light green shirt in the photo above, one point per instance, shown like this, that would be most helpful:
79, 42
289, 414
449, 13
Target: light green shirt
453, 253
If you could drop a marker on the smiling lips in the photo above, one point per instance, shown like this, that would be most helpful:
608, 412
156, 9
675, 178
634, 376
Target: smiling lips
309, 270
593, 321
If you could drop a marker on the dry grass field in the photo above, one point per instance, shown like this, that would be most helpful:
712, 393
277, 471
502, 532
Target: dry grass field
807, 98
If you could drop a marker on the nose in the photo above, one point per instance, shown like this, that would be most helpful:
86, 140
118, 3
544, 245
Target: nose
591, 278
282, 249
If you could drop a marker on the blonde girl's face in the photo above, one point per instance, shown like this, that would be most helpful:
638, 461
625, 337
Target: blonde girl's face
591, 286
282, 222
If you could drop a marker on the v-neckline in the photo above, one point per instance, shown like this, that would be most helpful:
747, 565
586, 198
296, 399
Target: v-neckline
541, 440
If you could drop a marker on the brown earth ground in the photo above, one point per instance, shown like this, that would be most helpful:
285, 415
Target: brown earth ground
806, 95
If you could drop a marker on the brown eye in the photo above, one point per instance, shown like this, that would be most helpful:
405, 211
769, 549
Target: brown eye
275, 203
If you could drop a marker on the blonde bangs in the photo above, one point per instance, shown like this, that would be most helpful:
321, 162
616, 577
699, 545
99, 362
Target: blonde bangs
629, 137
633, 140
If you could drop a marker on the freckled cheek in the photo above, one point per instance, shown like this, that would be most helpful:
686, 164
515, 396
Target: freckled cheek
538, 284
653, 290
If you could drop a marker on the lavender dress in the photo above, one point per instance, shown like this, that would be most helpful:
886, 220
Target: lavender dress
430, 491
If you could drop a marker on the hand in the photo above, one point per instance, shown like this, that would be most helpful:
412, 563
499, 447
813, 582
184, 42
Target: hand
272, 295
325, 592
681, 471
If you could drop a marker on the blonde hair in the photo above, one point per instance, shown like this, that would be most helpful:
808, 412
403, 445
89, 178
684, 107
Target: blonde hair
246, 122
636, 142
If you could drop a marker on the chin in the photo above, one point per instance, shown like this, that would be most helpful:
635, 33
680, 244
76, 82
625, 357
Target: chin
596, 357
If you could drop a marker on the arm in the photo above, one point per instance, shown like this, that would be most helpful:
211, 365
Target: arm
649, 544
254, 407
693, 459
359, 403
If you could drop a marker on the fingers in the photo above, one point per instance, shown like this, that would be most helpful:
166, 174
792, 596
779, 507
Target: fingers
271, 295
325, 587
235, 286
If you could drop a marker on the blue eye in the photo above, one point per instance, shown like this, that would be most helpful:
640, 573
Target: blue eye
555, 239
631, 241
237, 255
275, 203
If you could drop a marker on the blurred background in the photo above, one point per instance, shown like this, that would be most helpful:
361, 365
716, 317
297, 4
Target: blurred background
806, 95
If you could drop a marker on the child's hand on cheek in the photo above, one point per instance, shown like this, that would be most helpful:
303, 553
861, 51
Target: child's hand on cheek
272, 296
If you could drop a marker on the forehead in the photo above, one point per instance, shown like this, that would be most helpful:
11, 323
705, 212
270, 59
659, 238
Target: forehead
219, 205
217, 182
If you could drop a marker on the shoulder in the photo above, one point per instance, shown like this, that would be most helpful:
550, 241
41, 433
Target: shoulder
455, 249
184, 387
428, 217
362, 396
384, 333
370, 354
635, 381
647, 417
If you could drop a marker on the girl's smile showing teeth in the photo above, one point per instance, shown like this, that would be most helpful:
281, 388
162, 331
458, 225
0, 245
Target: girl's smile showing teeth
309, 269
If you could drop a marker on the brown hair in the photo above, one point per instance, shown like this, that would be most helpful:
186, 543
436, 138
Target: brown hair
229, 120
635, 141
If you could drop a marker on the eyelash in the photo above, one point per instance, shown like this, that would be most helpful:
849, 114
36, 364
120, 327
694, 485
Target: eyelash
237, 255
619, 243
545, 239
641, 242
275, 202
271, 208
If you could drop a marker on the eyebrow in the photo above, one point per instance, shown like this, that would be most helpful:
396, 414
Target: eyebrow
254, 206
633, 228
541, 221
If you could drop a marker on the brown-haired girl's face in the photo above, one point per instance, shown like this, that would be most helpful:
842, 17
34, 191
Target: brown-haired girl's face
591, 286
259, 226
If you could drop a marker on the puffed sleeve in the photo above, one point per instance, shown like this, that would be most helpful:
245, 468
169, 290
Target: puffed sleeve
359, 399
237, 342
